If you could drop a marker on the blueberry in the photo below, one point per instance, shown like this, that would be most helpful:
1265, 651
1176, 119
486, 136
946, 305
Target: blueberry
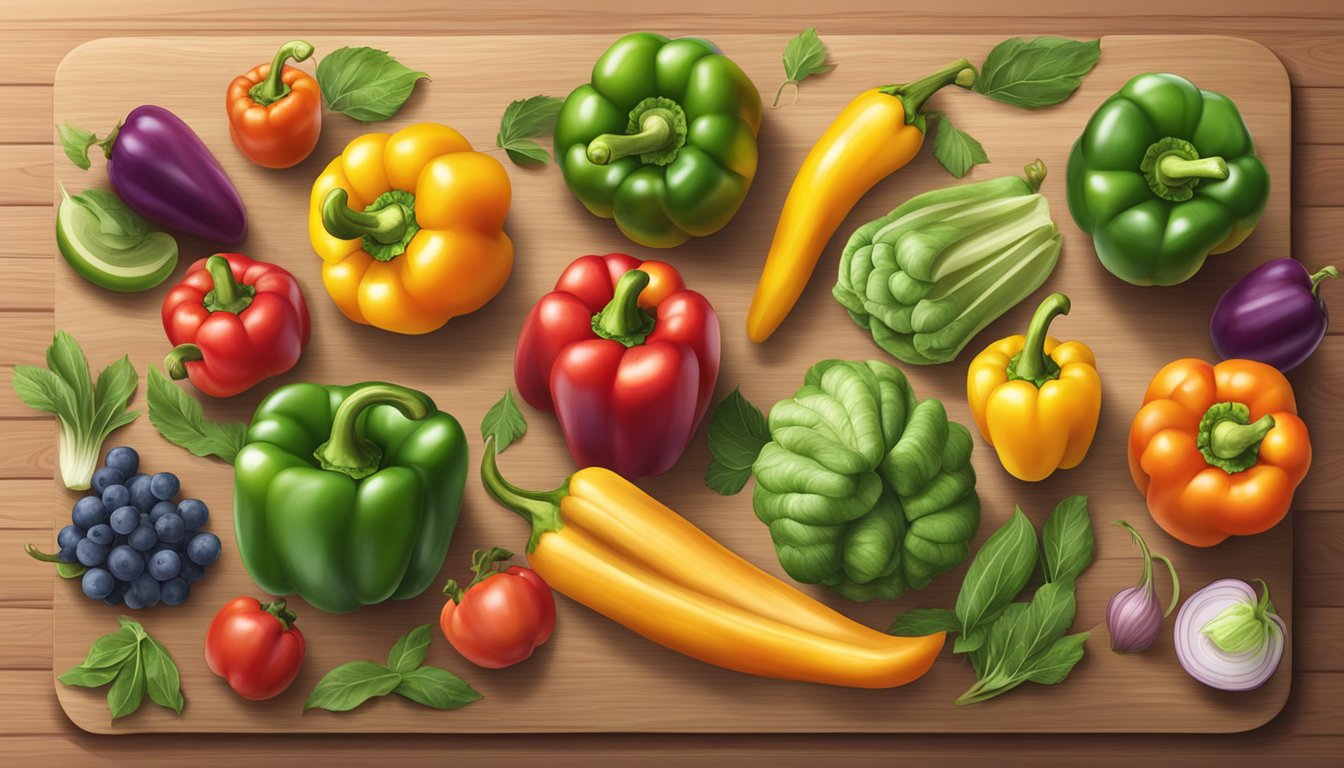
114, 599
90, 552
98, 583
132, 601
133, 478
101, 534
88, 512
68, 554
165, 565
194, 513
141, 496
68, 537
124, 520
174, 591
115, 496
143, 538
203, 549
104, 477
126, 563
146, 590
123, 458
170, 528
192, 571
164, 486
144, 519
160, 509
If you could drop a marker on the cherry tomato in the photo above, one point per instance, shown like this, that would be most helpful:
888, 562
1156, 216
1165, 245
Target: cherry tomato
502, 615
255, 647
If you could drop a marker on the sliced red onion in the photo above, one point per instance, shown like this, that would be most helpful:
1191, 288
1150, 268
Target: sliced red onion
1213, 666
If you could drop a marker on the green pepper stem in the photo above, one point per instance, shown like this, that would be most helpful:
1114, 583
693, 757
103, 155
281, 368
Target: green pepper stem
282, 614
1325, 273
622, 319
541, 509
1173, 169
385, 225
228, 295
1032, 363
347, 450
655, 134
914, 94
1228, 439
176, 361
273, 88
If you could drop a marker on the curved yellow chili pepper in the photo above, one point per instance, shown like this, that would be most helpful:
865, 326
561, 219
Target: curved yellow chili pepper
410, 227
878, 133
1034, 399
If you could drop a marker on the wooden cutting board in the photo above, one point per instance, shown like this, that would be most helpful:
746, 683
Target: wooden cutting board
594, 675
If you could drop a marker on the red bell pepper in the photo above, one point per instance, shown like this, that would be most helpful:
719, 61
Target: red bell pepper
626, 357
233, 323
255, 647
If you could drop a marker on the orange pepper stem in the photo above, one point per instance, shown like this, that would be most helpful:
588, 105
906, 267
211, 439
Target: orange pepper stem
176, 361
1230, 439
1032, 364
273, 88
228, 295
1325, 273
541, 509
386, 225
622, 319
346, 450
915, 93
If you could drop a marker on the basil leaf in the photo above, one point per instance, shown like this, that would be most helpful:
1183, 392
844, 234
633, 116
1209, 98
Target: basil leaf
164, 681
997, 573
75, 141
83, 677
925, 621
955, 149
179, 418
437, 688
111, 650
804, 56
1067, 540
128, 689
1051, 667
350, 685
972, 641
504, 422
527, 152
1027, 629
409, 650
737, 431
365, 83
725, 480
127, 622
524, 120
1038, 72
114, 217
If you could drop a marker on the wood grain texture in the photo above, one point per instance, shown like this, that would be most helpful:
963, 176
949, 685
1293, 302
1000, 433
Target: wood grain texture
594, 676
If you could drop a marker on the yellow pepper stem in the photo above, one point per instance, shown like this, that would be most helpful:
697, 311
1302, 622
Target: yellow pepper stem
1032, 364
539, 508
914, 94
386, 225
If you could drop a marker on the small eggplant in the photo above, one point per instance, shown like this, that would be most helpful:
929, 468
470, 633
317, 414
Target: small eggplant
162, 170
1274, 314
1134, 615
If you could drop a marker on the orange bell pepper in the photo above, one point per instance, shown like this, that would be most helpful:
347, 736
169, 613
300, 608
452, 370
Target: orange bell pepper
1218, 449
275, 111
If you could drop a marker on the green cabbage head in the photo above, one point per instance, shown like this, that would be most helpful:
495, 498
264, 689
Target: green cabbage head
866, 489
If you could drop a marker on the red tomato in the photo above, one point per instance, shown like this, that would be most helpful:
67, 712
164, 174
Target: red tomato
255, 647
501, 617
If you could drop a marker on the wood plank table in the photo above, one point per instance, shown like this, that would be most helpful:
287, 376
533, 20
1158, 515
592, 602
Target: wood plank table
1307, 35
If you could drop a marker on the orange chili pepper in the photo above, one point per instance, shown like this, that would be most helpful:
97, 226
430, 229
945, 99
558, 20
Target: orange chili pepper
1218, 449
275, 111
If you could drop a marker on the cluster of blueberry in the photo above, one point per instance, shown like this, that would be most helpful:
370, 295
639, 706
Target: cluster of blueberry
139, 545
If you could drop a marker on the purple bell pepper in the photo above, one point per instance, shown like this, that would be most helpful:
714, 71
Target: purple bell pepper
162, 170
1274, 314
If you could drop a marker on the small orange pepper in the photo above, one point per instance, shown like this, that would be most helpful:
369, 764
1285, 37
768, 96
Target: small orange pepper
275, 111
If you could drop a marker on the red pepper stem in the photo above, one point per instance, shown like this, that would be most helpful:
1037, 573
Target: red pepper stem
622, 319
228, 295
176, 361
274, 88
282, 614
915, 93
1325, 273
1032, 363
347, 450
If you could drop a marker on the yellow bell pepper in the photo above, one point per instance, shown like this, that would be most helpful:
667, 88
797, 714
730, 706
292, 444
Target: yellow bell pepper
1034, 399
410, 227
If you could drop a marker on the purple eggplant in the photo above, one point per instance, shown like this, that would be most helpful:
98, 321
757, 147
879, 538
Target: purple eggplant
1274, 314
161, 169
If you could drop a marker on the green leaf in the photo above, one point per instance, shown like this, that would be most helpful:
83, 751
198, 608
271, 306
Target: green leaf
1027, 629
437, 688
409, 650
76, 142
66, 360
164, 682
998, 572
365, 83
1038, 72
1051, 667
804, 56
725, 480
737, 431
972, 641
116, 385
83, 677
350, 685
925, 621
179, 418
504, 422
955, 149
111, 650
128, 623
64, 570
115, 218
128, 689
42, 390
524, 120
1067, 540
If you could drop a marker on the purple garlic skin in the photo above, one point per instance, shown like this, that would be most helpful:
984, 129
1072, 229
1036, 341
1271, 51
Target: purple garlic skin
1134, 619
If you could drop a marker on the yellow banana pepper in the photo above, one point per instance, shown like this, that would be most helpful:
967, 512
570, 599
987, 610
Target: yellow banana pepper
410, 227
1034, 399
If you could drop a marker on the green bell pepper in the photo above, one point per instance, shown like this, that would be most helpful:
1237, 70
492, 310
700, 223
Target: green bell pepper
348, 496
663, 139
1164, 175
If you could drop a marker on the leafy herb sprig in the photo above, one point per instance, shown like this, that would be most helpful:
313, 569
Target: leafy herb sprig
133, 663
405, 674
179, 418
1010, 643
737, 433
504, 422
523, 121
804, 56
364, 83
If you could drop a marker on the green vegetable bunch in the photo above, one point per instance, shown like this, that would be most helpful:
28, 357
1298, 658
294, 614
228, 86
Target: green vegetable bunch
866, 488
134, 664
